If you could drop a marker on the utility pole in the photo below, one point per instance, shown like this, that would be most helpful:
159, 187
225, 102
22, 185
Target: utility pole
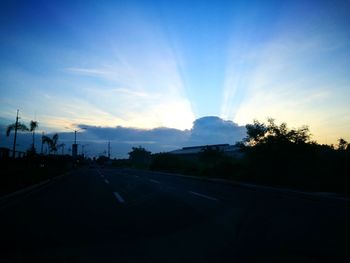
109, 150
15, 138
42, 143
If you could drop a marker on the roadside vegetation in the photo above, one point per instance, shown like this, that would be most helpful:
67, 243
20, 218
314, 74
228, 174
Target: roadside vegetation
20, 173
272, 155
278, 155
22, 169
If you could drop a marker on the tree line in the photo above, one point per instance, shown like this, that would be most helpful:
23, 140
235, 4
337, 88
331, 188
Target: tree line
272, 154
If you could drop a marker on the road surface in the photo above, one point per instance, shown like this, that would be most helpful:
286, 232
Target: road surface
126, 215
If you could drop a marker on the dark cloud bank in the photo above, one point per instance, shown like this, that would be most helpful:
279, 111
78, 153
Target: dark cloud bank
206, 130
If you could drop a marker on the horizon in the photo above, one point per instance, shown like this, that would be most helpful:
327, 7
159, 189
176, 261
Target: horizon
205, 131
142, 66
208, 130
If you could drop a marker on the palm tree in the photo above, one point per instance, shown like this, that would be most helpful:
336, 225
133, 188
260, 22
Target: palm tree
51, 142
17, 126
20, 127
33, 125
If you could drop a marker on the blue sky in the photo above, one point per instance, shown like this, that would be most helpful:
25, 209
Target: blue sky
148, 64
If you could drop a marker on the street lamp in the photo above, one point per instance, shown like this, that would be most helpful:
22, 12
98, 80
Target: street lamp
75, 145
75, 133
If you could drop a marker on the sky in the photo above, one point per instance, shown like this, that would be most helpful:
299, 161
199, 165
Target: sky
141, 65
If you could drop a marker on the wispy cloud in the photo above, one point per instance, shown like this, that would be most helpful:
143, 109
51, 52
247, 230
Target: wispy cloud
138, 79
132, 92
88, 71
130, 76
290, 78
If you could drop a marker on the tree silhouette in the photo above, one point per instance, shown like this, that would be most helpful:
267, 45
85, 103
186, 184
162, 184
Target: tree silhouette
12, 127
32, 127
139, 155
255, 132
210, 155
342, 144
260, 133
51, 142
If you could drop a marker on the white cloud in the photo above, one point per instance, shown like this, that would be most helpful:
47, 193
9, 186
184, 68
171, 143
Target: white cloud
88, 71
291, 79
139, 80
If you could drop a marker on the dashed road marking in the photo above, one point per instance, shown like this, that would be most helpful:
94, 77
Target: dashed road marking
106, 181
203, 196
100, 174
154, 181
119, 197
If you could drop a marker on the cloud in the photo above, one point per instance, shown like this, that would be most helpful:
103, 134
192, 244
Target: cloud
205, 131
127, 74
214, 130
136, 77
297, 77
88, 71
132, 92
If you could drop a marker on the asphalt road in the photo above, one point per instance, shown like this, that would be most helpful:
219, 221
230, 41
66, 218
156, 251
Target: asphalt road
125, 215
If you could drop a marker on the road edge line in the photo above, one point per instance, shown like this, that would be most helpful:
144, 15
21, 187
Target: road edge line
30, 188
313, 196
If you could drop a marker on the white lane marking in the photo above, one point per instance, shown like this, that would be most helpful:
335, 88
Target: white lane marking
119, 198
154, 181
106, 181
100, 174
204, 196
137, 176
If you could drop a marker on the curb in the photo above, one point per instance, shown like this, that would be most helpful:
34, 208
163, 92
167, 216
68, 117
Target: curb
23, 190
4, 200
314, 196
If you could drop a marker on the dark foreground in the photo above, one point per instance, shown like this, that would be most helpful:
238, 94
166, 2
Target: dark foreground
124, 215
